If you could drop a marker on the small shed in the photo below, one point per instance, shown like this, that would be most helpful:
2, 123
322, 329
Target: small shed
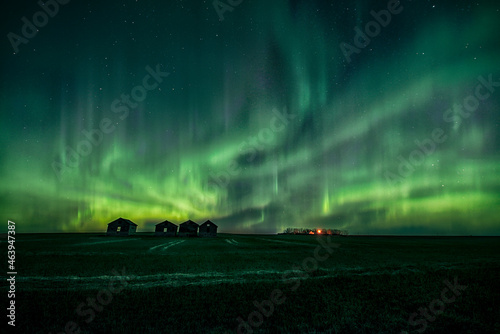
166, 229
188, 229
208, 229
121, 227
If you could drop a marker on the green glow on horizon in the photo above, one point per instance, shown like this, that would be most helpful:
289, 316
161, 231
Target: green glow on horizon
325, 168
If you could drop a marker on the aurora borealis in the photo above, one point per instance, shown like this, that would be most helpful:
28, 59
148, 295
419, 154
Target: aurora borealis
261, 122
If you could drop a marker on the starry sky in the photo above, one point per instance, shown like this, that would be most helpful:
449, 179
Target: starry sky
259, 115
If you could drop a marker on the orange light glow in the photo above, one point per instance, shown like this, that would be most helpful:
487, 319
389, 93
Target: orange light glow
319, 231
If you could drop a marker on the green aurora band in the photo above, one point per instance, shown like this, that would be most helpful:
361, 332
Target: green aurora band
326, 167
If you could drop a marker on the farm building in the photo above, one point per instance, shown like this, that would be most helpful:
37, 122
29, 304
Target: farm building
121, 227
166, 229
188, 229
208, 229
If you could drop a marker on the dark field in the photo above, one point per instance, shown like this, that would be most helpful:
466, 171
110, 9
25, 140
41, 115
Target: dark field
89, 283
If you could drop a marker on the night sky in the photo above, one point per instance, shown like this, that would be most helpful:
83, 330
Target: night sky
272, 117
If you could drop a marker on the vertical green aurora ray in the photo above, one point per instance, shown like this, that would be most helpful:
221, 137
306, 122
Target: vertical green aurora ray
326, 167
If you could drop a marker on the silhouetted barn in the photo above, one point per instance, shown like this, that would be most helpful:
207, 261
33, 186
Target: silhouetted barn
121, 227
188, 229
166, 229
208, 229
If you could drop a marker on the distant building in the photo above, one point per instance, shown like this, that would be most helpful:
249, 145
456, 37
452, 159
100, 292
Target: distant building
208, 229
121, 227
188, 229
166, 229
317, 231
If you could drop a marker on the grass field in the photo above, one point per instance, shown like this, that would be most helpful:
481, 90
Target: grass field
89, 283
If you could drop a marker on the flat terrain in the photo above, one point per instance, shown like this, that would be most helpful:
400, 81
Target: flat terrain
90, 283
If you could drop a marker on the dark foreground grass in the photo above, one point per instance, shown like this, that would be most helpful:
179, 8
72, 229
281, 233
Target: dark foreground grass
357, 304
368, 285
